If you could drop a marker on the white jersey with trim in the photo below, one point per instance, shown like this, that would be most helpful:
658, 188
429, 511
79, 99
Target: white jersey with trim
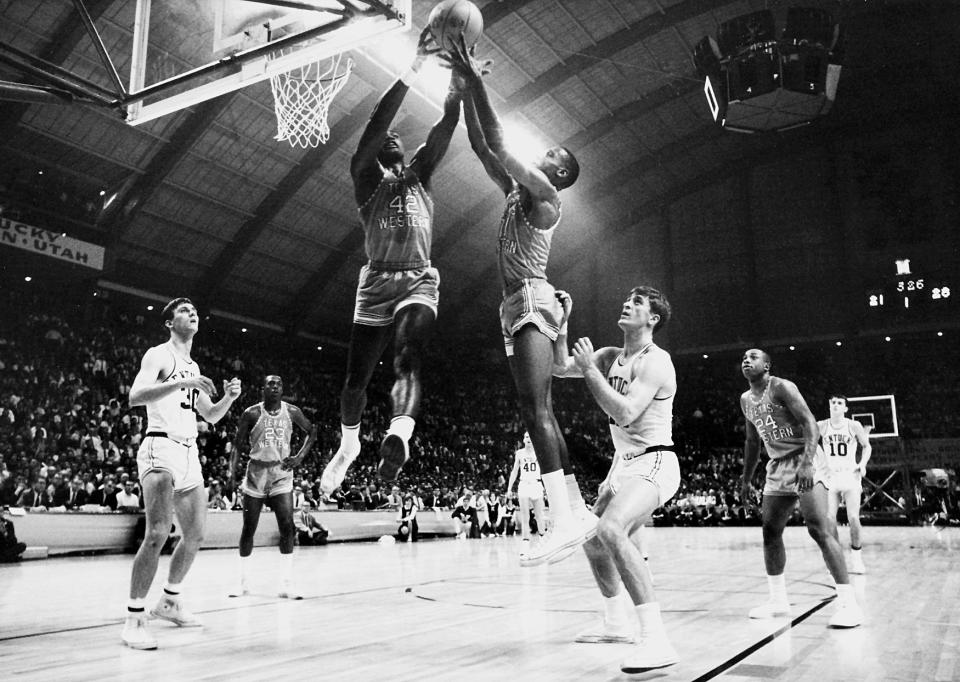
528, 465
654, 426
839, 445
175, 413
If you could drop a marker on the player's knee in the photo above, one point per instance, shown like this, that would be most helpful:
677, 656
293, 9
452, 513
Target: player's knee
610, 533
817, 531
772, 534
156, 535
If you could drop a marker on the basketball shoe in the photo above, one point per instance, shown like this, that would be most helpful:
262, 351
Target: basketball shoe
651, 651
394, 453
604, 631
561, 541
848, 615
336, 469
173, 611
771, 609
135, 633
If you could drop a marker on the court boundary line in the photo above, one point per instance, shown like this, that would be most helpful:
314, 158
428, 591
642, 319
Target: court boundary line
759, 644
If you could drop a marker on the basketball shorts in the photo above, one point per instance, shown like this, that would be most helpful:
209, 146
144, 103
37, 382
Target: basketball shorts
531, 490
845, 482
180, 459
530, 301
381, 293
266, 479
660, 467
782, 473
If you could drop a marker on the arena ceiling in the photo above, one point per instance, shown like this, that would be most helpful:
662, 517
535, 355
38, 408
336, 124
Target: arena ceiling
210, 205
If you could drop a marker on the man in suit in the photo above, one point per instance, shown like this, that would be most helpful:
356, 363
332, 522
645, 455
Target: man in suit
105, 496
30, 497
77, 497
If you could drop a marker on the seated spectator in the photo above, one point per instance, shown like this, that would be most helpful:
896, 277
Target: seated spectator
374, 498
30, 497
105, 496
10, 547
309, 530
77, 497
353, 499
48, 498
127, 500
394, 500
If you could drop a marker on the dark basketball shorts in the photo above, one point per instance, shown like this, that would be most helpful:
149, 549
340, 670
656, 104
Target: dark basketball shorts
381, 293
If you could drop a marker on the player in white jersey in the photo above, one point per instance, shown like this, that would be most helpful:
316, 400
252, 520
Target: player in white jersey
264, 432
839, 438
174, 392
635, 386
529, 490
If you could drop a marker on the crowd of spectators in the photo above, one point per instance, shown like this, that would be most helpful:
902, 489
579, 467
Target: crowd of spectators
68, 437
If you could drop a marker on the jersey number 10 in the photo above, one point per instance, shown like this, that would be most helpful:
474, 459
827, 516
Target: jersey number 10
838, 449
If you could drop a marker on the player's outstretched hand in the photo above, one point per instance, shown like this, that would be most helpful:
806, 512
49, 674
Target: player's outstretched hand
583, 354
427, 45
748, 494
201, 383
232, 388
566, 300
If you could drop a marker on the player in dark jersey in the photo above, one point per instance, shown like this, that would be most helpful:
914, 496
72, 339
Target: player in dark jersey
398, 288
530, 315
777, 415
264, 432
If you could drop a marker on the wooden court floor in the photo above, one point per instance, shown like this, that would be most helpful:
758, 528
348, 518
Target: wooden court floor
463, 609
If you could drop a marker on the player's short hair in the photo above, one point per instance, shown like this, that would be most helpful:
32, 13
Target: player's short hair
840, 396
171, 307
573, 167
658, 304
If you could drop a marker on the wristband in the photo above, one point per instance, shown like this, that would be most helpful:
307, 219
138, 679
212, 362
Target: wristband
563, 329
409, 77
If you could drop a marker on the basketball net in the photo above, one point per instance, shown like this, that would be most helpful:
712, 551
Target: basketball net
302, 97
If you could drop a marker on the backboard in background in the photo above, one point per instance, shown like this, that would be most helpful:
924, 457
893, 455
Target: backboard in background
877, 413
182, 60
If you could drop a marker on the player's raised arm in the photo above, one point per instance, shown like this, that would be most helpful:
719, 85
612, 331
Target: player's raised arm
214, 411
526, 174
431, 152
364, 167
490, 161
653, 375
148, 385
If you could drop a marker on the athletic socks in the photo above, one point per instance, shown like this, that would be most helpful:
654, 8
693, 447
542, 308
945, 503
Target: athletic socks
559, 498
651, 622
615, 610
135, 606
778, 588
402, 426
350, 437
577, 505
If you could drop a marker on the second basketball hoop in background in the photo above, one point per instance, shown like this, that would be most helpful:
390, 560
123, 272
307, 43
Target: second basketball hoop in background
452, 18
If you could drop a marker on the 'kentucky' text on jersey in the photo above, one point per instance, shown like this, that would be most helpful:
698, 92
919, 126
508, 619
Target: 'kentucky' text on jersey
174, 413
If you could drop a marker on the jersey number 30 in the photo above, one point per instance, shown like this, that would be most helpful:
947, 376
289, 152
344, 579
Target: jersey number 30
189, 399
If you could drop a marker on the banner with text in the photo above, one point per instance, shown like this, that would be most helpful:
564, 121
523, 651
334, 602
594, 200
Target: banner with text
50, 243
921, 453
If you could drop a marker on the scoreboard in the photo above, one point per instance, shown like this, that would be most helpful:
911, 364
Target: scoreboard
911, 289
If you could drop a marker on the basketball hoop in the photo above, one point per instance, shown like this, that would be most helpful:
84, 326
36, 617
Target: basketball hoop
302, 97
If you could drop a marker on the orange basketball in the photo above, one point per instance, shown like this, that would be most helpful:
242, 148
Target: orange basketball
452, 18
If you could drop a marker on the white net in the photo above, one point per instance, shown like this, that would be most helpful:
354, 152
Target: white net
302, 97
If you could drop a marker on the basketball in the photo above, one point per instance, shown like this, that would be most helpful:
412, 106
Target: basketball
452, 18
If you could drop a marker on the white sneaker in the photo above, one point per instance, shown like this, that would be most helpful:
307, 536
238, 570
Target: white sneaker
588, 523
855, 565
771, 609
848, 615
605, 632
649, 653
336, 470
238, 590
172, 610
557, 544
135, 633
288, 591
